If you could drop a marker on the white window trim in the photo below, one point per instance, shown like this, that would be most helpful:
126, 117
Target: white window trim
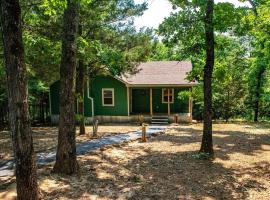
163, 89
112, 90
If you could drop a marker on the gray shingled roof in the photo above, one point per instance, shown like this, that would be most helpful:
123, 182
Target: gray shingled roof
161, 73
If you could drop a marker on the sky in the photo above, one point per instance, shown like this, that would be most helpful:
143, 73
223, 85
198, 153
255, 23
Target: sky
160, 9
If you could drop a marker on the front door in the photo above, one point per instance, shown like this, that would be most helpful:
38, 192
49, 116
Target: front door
157, 101
141, 101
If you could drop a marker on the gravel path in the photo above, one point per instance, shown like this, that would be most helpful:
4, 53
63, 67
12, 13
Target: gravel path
6, 169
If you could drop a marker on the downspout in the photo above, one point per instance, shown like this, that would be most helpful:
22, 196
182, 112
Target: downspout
92, 100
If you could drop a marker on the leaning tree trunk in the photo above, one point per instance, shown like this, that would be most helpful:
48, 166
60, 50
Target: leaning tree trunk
80, 92
66, 160
207, 141
19, 120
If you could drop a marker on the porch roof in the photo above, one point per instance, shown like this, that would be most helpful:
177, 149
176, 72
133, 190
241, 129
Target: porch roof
161, 73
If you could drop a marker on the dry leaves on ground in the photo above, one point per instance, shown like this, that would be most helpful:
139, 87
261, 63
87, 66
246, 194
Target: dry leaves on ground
166, 167
45, 138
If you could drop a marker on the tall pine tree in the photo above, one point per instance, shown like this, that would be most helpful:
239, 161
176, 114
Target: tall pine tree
207, 141
66, 160
19, 120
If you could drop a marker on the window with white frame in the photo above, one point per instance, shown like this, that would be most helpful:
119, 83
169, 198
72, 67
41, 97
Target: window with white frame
167, 94
107, 96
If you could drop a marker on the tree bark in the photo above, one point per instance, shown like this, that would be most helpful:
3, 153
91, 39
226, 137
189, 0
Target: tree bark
19, 120
207, 141
66, 159
80, 91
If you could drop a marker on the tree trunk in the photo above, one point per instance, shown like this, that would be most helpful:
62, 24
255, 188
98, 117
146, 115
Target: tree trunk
207, 141
66, 159
19, 120
258, 93
80, 91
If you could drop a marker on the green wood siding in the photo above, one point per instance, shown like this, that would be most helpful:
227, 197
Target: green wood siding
141, 101
120, 107
140, 104
54, 97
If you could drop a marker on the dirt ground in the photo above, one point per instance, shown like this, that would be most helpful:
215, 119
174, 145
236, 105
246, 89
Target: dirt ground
168, 167
45, 138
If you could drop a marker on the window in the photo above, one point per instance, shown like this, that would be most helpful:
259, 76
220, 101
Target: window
167, 92
107, 97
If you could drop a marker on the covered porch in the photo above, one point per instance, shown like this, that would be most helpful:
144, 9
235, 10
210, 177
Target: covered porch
158, 101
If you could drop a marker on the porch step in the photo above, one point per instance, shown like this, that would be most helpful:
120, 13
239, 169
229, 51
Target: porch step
160, 123
162, 120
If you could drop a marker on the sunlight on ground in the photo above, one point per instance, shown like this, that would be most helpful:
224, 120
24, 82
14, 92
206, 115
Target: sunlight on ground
45, 138
167, 167
9, 193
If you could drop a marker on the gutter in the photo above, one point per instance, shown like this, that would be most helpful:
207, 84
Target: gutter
92, 100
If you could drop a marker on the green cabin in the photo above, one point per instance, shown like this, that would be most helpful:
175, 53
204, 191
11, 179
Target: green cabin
152, 91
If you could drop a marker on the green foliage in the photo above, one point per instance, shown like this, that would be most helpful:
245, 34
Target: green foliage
42, 57
183, 35
202, 156
184, 95
36, 89
78, 117
259, 25
230, 77
107, 37
230, 80
108, 41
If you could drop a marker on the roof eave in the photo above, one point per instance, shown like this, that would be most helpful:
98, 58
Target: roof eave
163, 85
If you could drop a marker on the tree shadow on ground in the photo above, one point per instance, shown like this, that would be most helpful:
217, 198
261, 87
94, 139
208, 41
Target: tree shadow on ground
44, 139
225, 142
181, 176
161, 174
178, 175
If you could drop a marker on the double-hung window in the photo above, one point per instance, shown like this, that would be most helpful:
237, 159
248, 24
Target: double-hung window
107, 96
167, 94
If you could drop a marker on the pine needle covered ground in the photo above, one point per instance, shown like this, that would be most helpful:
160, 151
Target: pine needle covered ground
45, 138
168, 167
